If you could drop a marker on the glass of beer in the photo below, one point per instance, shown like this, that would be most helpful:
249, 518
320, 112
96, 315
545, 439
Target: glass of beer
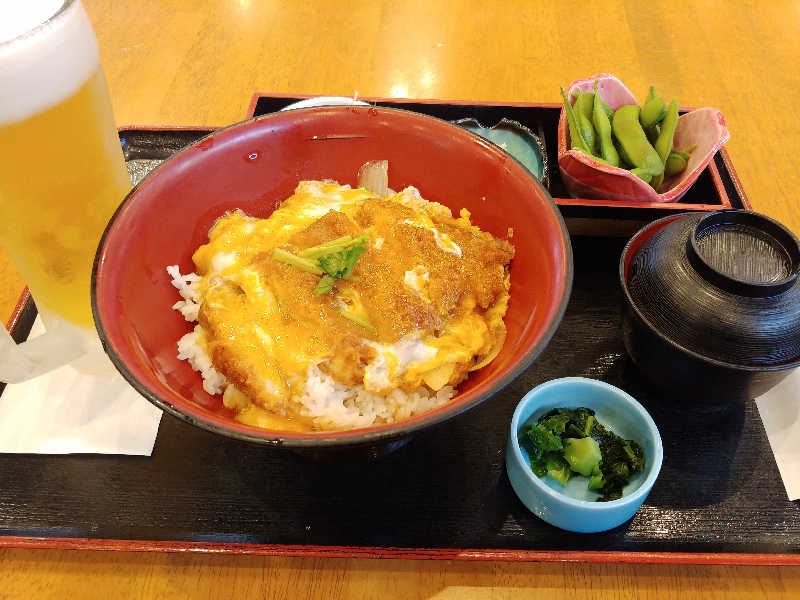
62, 176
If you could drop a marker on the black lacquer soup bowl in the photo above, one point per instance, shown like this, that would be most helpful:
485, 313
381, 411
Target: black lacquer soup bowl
712, 305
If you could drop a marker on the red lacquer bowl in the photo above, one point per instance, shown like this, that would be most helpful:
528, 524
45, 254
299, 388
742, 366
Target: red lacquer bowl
253, 166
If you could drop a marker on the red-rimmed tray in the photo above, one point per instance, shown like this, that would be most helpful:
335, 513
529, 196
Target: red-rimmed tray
443, 496
717, 187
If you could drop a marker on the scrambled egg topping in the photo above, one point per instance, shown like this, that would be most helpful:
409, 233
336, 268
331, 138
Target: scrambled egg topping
423, 306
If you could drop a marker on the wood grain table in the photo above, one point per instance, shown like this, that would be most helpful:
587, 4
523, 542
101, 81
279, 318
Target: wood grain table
184, 62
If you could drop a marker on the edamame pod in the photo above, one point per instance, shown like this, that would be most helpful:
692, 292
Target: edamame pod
677, 161
606, 108
664, 142
585, 106
583, 113
654, 109
576, 139
602, 127
632, 142
642, 174
652, 133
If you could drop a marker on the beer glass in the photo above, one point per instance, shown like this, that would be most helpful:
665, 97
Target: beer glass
62, 175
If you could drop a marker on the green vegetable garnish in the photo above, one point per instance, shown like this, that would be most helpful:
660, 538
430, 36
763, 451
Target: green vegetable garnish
558, 468
325, 284
541, 441
556, 424
333, 260
363, 321
309, 266
596, 481
340, 265
587, 429
574, 440
327, 248
544, 439
582, 454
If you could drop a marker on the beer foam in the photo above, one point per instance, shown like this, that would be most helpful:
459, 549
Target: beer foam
42, 65
21, 17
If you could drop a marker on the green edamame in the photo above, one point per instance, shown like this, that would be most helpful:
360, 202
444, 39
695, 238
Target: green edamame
652, 133
583, 113
677, 160
643, 174
574, 133
602, 127
653, 112
664, 142
639, 139
654, 109
585, 105
633, 144
606, 108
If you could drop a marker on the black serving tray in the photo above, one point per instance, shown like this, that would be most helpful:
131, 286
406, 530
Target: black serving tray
717, 187
445, 494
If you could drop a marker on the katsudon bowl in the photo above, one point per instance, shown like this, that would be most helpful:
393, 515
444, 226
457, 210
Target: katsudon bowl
256, 164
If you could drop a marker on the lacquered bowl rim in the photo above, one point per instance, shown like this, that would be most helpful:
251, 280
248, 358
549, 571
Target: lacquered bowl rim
649, 230
374, 434
624, 399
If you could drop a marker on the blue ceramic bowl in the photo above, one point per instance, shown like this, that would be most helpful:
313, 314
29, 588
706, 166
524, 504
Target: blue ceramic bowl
574, 507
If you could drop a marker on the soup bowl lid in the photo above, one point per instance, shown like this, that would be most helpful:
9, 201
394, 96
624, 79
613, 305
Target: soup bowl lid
723, 285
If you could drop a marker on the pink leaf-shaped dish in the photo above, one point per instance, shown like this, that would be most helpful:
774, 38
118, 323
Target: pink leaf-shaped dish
584, 177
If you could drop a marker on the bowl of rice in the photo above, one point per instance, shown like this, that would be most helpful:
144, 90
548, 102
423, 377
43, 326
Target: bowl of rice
275, 283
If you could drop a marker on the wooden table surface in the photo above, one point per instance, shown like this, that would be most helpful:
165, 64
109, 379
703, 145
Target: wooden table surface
184, 62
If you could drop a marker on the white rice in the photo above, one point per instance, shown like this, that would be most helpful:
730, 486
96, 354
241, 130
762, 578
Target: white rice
332, 405
187, 288
192, 349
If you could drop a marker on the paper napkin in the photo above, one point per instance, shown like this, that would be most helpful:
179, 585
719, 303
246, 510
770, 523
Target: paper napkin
65, 412
780, 412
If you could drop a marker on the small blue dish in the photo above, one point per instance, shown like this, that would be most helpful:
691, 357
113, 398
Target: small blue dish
574, 507
516, 139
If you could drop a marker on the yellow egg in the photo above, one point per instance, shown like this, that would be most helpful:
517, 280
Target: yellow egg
413, 312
